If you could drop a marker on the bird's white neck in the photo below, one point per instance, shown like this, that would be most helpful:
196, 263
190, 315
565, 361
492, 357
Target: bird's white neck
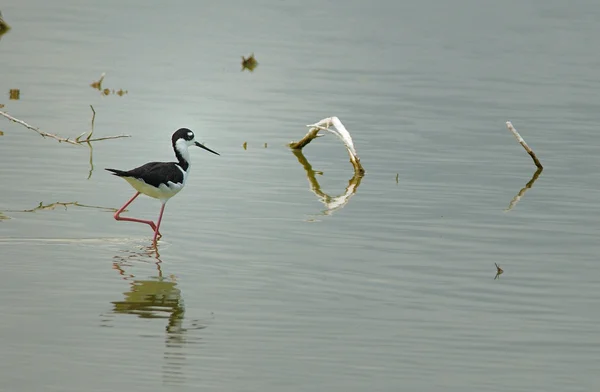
182, 153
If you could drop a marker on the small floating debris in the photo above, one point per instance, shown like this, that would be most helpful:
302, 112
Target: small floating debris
397, 175
1, 133
245, 145
265, 145
249, 63
98, 83
499, 271
4, 27
14, 93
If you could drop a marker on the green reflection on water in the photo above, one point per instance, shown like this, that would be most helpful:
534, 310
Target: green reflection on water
156, 297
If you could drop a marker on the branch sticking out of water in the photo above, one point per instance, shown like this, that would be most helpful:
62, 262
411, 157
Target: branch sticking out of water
335, 126
60, 139
525, 146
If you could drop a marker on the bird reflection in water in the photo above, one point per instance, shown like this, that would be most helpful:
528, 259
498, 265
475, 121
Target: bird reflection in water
332, 203
157, 297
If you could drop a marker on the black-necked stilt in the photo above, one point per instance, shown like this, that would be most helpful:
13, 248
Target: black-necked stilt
161, 180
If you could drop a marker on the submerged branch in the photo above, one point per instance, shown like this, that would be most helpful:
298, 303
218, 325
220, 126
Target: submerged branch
525, 146
527, 186
332, 203
60, 139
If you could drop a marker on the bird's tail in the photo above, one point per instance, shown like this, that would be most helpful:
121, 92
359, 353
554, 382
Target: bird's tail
117, 172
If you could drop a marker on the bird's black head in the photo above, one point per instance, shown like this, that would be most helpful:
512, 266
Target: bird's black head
188, 138
183, 133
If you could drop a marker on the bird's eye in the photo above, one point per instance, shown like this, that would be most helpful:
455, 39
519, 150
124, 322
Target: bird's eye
190, 135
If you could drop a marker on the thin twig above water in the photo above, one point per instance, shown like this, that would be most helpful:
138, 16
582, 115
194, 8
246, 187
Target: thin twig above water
525, 146
77, 141
335, 126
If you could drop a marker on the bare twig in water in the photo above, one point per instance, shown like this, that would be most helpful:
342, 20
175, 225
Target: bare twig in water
499, 271
335, 126
60, 139
312, 134
52, 206
527, 186
331, 203
525, 146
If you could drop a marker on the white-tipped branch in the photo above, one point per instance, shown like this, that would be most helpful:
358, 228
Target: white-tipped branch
525, 146
60, 139
335, 126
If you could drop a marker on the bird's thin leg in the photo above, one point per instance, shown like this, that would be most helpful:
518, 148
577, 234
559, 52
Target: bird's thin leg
119, 217
156, 232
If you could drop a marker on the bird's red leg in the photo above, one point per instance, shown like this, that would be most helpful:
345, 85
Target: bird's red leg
119, 217
156, 232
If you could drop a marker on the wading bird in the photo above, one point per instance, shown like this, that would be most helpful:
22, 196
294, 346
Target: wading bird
161, 180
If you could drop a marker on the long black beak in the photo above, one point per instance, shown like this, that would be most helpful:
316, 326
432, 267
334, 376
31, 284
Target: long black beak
206, 148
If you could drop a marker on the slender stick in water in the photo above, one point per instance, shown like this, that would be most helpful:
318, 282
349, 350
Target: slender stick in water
60, 139
525, 146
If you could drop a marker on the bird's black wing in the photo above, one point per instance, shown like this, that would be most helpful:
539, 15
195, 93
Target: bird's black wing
156, 173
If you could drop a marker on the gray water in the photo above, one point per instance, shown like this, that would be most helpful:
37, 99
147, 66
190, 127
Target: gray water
257, 286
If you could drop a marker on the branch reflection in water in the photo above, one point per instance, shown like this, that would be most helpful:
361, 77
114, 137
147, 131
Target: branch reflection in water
527, 186
332, 203
157, 297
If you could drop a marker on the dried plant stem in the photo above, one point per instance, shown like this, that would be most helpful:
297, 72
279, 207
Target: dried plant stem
60, 139
52, 206
42, 133
525, 146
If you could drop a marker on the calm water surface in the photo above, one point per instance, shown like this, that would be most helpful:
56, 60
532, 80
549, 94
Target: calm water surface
258, 286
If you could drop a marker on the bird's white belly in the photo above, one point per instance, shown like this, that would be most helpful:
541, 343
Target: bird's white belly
163, 192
